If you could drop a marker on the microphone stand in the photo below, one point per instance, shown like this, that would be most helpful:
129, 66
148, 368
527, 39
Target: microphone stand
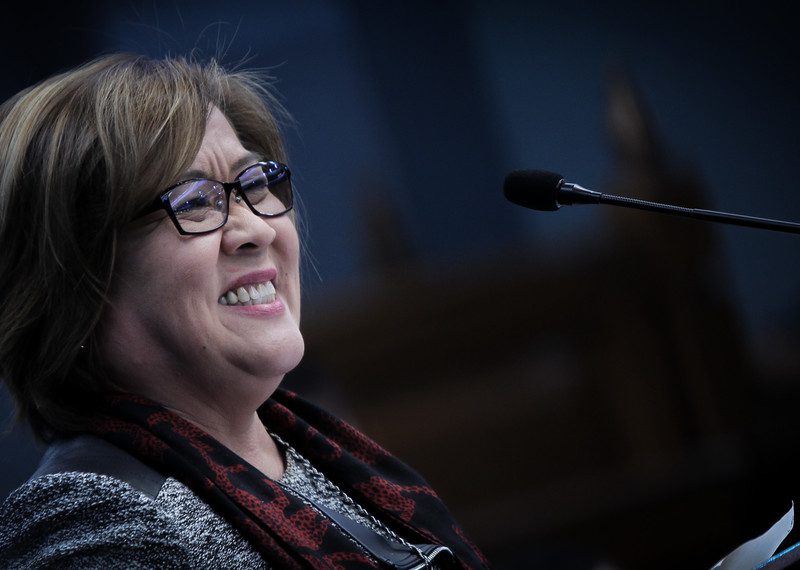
569, 194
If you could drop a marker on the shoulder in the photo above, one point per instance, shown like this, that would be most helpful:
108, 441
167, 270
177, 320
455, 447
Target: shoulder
91, 504
85, 520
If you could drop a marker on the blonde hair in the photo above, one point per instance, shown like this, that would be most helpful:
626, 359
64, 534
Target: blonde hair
80, 154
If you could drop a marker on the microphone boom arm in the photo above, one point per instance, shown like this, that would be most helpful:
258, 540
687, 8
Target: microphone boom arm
569, 194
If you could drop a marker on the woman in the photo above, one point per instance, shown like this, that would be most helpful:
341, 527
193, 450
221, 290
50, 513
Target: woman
148, 313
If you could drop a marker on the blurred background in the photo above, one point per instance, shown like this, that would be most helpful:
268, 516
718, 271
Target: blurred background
591, 388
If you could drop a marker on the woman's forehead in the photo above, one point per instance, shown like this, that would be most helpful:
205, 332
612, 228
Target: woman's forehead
221, 153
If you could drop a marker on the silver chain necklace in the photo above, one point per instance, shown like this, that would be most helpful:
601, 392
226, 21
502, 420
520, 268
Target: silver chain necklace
331, 486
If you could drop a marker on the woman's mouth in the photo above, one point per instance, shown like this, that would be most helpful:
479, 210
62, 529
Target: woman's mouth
253, 294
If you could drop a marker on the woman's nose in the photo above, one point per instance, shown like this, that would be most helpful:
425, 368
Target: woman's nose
245, 229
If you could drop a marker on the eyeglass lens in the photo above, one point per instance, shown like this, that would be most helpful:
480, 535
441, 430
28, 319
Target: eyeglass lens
202, 205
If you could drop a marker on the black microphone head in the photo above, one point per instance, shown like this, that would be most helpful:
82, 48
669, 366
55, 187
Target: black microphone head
537, 189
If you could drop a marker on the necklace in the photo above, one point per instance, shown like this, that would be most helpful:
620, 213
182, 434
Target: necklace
322, 481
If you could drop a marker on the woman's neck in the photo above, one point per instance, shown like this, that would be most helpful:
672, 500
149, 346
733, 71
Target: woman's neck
246, 436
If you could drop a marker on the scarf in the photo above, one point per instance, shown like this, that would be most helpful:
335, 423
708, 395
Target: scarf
285, 530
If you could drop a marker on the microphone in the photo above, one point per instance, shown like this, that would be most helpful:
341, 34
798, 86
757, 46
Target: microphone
547, 191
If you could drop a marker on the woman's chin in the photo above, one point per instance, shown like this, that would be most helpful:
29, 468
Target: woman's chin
281, 355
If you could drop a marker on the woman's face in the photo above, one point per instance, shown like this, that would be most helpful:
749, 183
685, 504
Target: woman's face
166, 332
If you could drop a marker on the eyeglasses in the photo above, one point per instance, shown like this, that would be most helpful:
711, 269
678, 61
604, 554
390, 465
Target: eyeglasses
200, 205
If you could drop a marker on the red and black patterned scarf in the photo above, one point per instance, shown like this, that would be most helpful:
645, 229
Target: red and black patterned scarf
288, 532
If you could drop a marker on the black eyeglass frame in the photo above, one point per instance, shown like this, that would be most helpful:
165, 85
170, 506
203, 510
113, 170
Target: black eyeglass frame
161, 202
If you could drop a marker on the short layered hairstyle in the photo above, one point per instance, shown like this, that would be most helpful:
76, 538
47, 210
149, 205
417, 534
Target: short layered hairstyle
81, 153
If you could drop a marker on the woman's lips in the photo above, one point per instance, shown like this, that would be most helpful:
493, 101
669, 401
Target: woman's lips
274, 308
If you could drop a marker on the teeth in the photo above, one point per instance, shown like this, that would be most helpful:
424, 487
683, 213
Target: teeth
270, 292
255, 294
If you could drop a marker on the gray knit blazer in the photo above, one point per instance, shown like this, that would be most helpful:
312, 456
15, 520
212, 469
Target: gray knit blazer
85, 520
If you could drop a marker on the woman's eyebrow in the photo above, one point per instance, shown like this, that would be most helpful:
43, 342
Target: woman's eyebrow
191, 174
234, 168
245, 161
